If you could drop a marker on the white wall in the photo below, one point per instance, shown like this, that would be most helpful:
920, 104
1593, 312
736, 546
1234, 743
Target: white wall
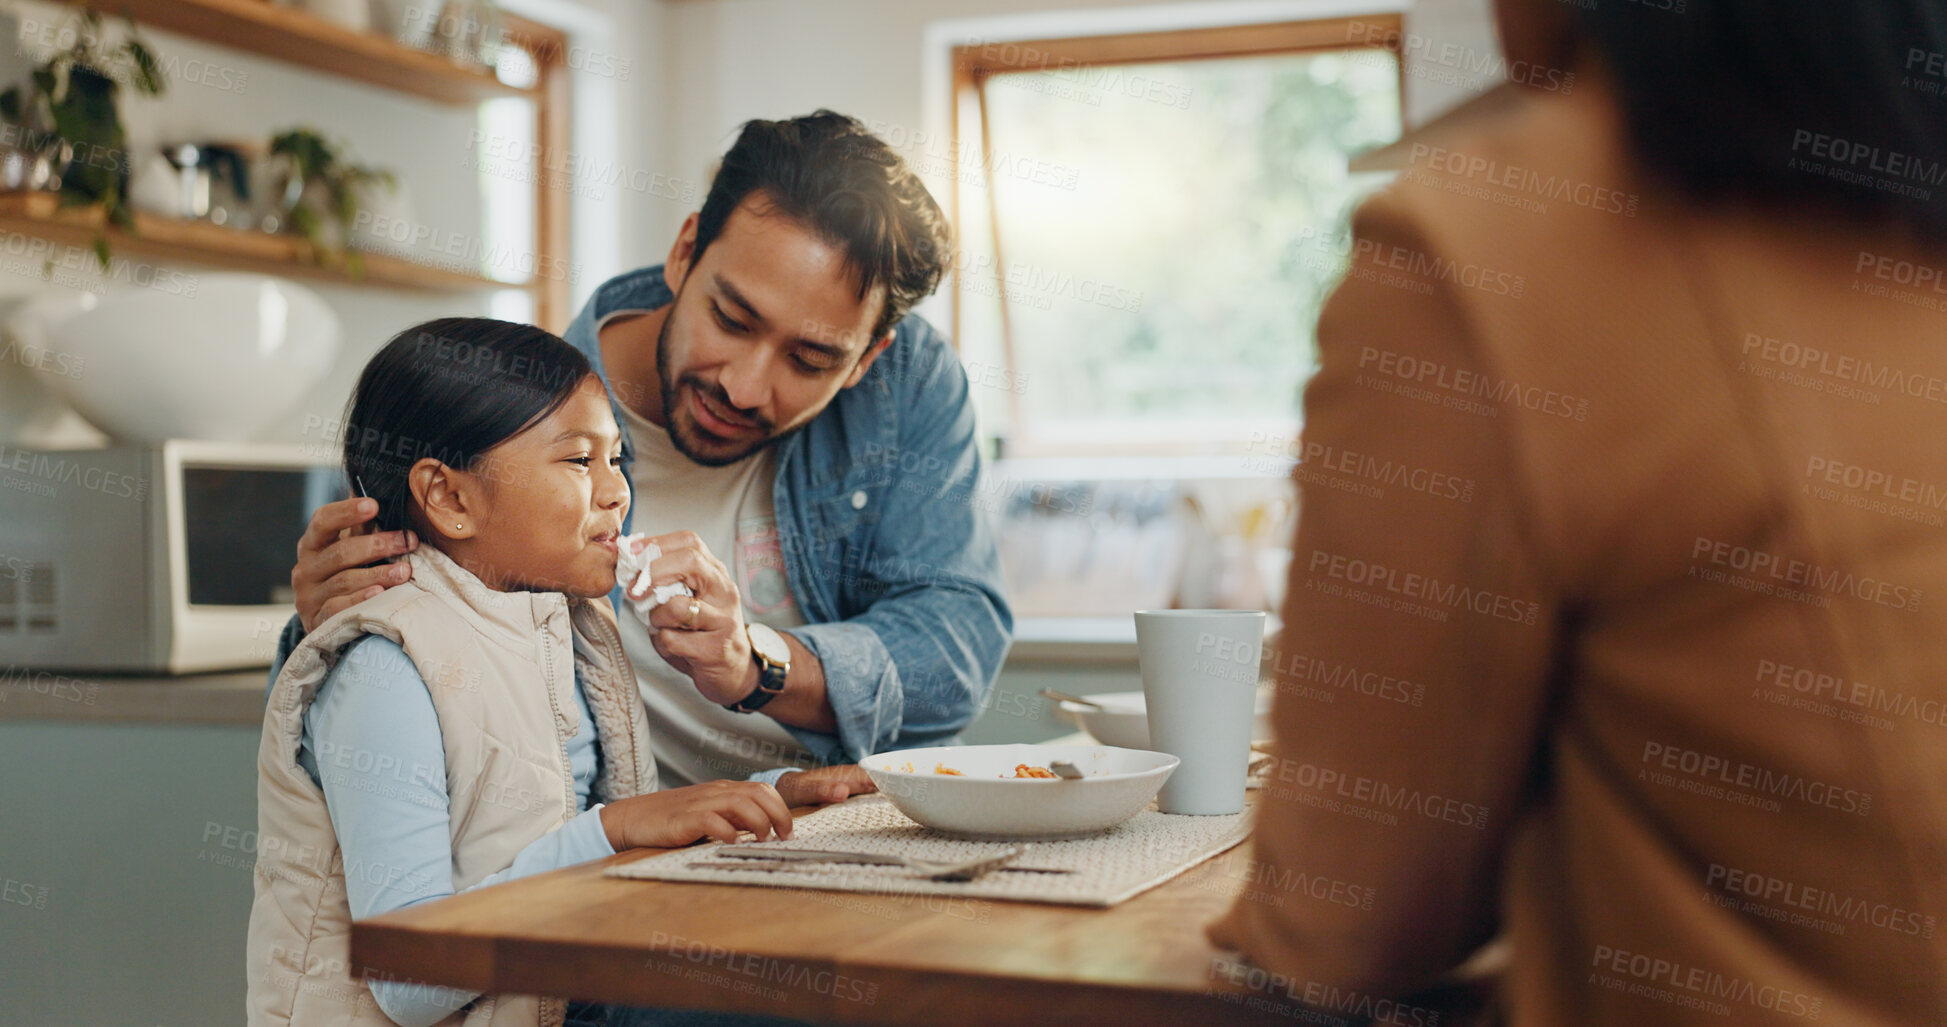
622, 106
726, 61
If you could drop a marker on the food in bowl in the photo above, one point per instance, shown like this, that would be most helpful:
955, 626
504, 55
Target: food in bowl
938, 768
1020, 770
984, 799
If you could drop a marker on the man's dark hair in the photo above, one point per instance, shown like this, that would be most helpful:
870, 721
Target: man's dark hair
826, 172
1730, 99
451, 389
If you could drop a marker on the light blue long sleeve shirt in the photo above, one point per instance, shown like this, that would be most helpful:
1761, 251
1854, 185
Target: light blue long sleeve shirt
372, 742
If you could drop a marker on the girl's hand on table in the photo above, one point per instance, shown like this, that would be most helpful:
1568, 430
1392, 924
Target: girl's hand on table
823, 785
718, 810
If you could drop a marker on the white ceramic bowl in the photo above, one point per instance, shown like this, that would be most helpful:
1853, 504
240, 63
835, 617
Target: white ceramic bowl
1123, 720
215, 356
990, 802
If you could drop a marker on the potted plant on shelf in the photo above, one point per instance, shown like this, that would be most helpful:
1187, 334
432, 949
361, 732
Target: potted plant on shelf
324, 192
68, 111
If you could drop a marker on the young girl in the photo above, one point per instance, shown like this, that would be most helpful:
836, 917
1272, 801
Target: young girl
479, 722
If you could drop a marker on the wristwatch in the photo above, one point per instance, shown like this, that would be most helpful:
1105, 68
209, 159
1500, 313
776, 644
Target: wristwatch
773, 664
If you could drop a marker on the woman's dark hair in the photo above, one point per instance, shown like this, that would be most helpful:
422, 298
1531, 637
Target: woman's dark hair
1838, 103
825, 171
450, 389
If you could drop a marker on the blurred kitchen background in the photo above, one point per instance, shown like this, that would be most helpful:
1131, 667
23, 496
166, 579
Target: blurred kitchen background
1151, 202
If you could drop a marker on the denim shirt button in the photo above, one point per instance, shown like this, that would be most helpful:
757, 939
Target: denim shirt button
858, 500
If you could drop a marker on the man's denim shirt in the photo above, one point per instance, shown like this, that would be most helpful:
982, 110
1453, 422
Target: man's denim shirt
888, 540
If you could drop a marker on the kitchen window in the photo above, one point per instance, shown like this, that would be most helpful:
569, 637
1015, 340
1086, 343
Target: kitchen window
1150, 223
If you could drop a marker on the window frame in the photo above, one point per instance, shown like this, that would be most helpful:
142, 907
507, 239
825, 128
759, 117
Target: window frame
547, 47
973, 63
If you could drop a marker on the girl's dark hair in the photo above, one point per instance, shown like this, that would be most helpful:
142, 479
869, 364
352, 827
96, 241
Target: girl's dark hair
1836, 103
450, 389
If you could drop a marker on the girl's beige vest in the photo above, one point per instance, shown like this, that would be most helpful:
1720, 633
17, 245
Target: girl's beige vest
500, 669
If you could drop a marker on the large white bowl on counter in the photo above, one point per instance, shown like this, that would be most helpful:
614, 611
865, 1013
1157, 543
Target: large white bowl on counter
988, 801
1123, 718
210, 356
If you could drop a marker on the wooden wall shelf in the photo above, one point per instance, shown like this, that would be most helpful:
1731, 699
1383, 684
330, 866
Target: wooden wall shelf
296, 36
199, 242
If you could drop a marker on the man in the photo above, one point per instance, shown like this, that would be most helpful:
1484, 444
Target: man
802, 451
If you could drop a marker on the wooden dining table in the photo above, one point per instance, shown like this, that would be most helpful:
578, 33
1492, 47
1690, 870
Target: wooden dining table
839, 957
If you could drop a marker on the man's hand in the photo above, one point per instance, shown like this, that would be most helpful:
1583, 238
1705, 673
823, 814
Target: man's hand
703, 636
707, 643
333, 568
826, 784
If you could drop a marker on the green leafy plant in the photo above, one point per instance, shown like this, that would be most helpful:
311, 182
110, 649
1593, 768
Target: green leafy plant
329, 185
70, 104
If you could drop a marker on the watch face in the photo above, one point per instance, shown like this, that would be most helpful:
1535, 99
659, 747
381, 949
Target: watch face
768, 644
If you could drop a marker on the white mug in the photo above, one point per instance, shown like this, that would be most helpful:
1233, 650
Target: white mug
1199, 671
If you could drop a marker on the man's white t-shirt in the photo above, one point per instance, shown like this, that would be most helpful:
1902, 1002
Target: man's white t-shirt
730, 509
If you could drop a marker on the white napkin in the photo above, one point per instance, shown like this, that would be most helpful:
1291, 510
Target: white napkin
633, 569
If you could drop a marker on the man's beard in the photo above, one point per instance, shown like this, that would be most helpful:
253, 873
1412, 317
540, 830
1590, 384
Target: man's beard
685, 442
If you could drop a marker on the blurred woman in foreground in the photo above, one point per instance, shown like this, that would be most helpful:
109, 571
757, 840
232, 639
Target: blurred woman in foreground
1681, 733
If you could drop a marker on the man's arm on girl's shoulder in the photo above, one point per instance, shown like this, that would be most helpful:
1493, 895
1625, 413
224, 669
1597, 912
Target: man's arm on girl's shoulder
334, 568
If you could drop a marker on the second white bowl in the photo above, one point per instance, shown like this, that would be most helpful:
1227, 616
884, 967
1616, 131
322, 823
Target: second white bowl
214, 356
1123, 719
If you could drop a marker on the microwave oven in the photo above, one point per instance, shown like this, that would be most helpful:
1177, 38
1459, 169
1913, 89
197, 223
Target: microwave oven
162, 558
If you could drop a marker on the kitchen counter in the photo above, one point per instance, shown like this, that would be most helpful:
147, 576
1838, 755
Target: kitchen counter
232, 698
1095, 640
237, 697
1103, 641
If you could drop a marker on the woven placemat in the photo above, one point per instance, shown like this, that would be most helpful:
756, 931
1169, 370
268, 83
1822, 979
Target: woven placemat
1111, 866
